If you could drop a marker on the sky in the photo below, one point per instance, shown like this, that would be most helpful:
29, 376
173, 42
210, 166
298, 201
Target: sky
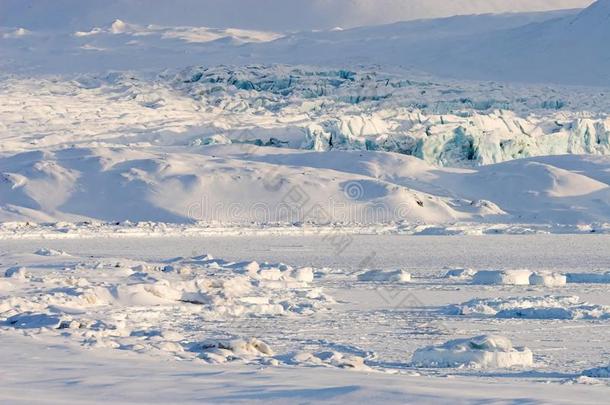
271, 15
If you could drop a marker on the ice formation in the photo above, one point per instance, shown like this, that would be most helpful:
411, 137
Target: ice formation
392, 276
499, 277
488, 351
544, 307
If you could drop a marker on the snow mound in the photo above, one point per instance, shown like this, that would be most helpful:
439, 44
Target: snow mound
546, 307
502, 277
391, 276
487, 351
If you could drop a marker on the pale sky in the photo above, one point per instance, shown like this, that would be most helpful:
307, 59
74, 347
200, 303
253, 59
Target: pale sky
274, 15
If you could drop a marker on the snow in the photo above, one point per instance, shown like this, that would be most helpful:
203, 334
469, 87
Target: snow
194, 211
118, 297
488, 351
568, 46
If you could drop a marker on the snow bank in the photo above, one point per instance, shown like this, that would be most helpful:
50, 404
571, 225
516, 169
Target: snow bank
391, 276
488, 351
546, 307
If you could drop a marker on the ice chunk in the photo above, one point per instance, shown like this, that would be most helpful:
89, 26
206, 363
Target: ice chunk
236, 349
393, 276
304, 274
598, 372
502, 277
50, 252
17, 273
29, 320
589, 278
548, 279
547, 307
460, 274
487, 351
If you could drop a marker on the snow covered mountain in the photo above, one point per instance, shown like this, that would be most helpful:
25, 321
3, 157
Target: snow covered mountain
519, 47
572, 49
569, 47
256, 15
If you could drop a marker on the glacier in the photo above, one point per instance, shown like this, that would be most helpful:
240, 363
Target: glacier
442, 123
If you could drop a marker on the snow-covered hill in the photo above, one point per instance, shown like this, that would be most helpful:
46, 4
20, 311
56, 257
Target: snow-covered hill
237, 185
